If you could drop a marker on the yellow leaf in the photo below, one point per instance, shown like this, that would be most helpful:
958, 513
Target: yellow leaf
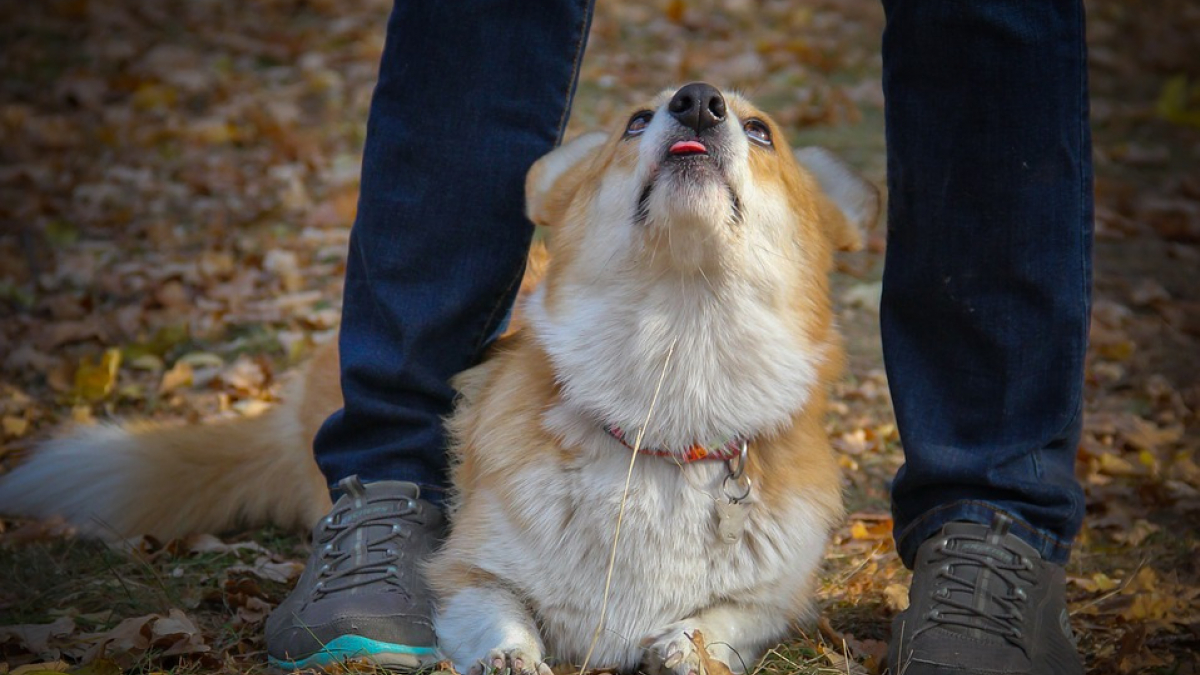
180, 375
146, 362
149, 96
897, 596
1135, 535
1146, 580
1179, 101
1149, 606
1103, 582
251, 407
859, 530
82, 414
1116, 351
1115, 466
1148, 459
214, 132
94, 382
15, 427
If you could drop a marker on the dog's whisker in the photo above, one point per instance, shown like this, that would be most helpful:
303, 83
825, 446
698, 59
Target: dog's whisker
777, 254
603, 268
707, 281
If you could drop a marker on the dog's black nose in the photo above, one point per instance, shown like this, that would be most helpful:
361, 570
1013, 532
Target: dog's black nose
698, 106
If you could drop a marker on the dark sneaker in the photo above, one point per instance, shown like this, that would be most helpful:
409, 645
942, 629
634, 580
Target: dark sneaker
983, 601
362, 596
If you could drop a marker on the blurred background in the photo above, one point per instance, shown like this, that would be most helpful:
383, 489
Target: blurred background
177, 183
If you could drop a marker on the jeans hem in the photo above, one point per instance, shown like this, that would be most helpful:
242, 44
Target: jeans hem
1051, 548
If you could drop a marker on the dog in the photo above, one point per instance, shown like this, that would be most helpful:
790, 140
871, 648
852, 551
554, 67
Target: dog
670, 377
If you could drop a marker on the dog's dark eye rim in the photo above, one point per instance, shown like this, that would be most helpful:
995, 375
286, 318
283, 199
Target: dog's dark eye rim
638, 123
758, 131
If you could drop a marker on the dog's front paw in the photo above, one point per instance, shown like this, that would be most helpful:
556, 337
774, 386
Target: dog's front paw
676, 650
516, 661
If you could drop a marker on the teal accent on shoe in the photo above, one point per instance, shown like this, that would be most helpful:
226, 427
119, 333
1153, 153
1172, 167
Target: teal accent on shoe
340, 649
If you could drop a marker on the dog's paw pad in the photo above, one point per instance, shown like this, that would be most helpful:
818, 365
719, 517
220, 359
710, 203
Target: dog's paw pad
511, 662
672, 651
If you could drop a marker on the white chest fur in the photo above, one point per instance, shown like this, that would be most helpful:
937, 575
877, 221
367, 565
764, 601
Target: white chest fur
669, 563
738, 367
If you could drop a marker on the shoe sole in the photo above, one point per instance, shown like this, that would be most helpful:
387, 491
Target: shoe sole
346, 648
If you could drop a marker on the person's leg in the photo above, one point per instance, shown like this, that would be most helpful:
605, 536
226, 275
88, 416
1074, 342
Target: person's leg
469, 95
988, 271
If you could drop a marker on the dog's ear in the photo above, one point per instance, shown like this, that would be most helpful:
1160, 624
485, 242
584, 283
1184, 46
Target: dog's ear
553, 179
856, 199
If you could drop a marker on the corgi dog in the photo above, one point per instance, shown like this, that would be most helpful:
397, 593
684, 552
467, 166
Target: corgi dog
669, 381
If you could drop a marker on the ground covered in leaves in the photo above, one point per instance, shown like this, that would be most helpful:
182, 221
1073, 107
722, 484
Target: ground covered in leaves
177, 180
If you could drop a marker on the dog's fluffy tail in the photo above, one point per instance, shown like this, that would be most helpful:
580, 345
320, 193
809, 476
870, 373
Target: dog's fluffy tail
118, 481
122, 480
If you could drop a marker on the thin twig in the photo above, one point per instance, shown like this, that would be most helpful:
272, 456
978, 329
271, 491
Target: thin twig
612, 557
1128, 580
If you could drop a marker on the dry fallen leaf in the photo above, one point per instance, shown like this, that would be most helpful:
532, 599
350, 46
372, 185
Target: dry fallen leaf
15, 427
897, 597
174, 635
47, 668
265, 568
37, 638
708, 665
95, 381
179, 376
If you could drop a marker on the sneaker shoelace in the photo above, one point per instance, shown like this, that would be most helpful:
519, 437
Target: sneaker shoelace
350, 560
963, 594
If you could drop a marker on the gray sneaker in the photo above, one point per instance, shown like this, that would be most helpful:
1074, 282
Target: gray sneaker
362, 596
983, 601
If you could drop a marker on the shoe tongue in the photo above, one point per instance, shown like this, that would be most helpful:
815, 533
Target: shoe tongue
993, 542
375, 499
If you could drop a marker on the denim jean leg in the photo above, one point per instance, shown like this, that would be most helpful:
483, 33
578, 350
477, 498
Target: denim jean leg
988, 271
469, 95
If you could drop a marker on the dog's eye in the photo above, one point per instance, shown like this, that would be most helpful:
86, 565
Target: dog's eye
638, 123
758, 132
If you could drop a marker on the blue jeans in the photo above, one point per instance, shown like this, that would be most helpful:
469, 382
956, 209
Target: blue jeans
469, 95
988, 268
987, 281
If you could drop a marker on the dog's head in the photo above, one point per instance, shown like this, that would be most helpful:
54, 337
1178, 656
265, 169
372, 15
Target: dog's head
694, 224
697, 181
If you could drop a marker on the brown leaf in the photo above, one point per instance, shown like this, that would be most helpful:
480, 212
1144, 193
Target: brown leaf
207, 543
175, 634
63, 332
708, 665
26, 357
36, 638
264, 568
178, 634
48, 668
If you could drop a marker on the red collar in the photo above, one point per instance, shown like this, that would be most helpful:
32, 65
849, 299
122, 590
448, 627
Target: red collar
726, 451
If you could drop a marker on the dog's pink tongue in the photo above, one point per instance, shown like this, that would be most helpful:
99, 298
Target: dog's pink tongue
687, 148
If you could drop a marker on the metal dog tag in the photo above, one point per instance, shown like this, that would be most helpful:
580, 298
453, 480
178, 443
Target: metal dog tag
731, 520
732, 511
